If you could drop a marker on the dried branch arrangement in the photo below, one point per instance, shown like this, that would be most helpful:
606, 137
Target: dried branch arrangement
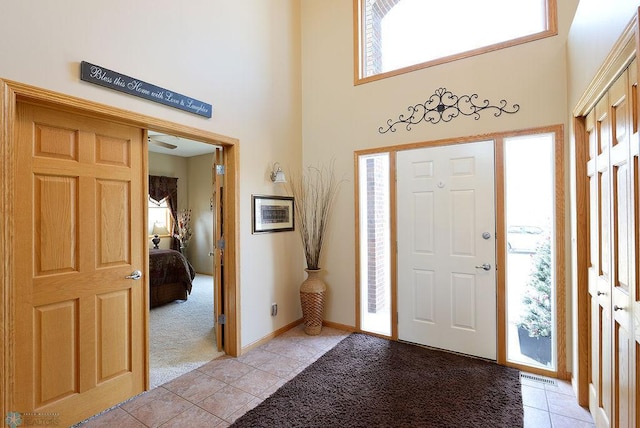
314, 191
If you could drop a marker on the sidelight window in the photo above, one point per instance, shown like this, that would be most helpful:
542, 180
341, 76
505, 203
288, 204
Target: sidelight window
374, 252
531, 277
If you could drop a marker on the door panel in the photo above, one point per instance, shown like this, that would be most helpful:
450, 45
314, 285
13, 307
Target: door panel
445, 203
81, 323
55, 327
613, 274
599, 129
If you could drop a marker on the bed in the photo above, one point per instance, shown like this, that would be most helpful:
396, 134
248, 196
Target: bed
170, 276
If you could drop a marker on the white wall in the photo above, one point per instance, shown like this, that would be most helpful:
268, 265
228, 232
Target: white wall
594, 31
243, 57
340, 118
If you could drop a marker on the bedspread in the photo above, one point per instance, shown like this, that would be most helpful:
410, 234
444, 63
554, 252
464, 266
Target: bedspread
170, 276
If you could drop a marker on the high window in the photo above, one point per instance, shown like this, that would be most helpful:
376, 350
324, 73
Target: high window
398, 36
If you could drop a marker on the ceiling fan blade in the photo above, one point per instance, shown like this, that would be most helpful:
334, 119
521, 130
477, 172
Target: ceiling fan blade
162, 144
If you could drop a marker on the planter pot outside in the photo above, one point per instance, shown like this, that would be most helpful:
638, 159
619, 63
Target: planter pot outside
538, 348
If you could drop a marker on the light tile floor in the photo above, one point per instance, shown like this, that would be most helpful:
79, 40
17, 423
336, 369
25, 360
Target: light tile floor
552, 406
222, 390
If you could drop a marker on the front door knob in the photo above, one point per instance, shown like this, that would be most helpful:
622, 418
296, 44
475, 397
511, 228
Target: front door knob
485, 266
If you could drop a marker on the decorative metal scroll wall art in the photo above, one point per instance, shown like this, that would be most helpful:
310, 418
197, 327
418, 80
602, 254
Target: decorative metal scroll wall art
444, 106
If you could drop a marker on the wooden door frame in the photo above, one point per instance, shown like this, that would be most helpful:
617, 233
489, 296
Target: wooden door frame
560, 244
618, 59
11, 93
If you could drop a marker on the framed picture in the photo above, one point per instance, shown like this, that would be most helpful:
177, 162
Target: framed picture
272, 214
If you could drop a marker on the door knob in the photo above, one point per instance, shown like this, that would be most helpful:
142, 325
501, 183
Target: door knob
601, 293
485, 266
136, 274
617, 308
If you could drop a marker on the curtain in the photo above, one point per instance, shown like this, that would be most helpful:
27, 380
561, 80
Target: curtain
166, 188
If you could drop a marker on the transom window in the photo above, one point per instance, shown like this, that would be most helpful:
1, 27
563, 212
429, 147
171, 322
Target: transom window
398, 36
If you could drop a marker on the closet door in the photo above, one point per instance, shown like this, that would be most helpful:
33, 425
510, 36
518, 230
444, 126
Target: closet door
598, 127
634, 274
612, 170
622, 110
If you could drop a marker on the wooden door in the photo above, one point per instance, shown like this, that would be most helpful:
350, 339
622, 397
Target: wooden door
611, 168
622, 108
599, 129
634, 255
446, 299
80, 323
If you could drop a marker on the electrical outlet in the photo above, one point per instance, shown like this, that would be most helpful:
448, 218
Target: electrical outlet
274, 309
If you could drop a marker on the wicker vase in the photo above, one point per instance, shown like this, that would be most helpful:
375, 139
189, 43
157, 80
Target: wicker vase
312, 295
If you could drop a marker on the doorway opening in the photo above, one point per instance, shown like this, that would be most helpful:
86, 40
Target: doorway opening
182, 327
446, 247
529, 185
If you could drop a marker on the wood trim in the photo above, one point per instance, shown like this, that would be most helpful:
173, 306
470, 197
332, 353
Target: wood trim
32, 94
271, 335
10, 93
392, 243
560, 244
552, 23
461, 140
501, 256
393, 214
294, 324
7, 210
357, 34
581, 213
231, 255
561, 247
343, 327
356, 199
618, 59
145, 295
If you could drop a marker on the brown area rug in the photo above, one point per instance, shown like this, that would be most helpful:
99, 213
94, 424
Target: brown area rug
366, 381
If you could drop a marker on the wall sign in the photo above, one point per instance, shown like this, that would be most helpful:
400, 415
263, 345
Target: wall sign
112, 79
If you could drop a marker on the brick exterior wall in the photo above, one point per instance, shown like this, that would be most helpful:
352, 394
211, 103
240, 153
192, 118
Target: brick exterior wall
376, 237
374, 11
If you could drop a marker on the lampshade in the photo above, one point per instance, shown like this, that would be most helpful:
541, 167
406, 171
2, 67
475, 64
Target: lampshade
277, 175
160, 229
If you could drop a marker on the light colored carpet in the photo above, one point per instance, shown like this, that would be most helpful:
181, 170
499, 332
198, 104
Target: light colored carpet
181, 334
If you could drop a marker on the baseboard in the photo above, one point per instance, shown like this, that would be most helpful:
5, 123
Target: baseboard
270, 336
288, 327
338, 326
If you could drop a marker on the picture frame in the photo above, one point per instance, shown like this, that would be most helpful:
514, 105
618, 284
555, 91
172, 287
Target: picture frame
272, 214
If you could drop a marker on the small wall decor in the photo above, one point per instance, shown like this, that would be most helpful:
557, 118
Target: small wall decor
272, 214
444, 106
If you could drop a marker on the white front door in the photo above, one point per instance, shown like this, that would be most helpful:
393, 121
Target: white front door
446, 248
